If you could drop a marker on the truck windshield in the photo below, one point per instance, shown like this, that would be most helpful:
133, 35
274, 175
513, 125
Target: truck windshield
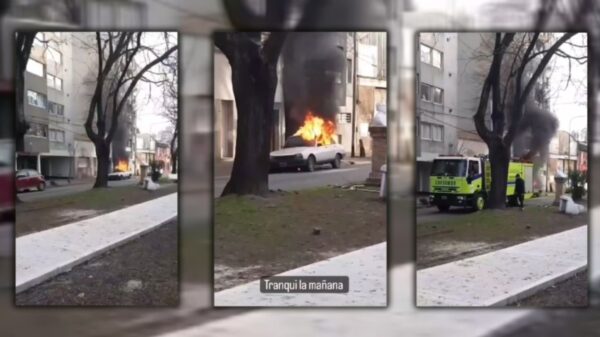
449, 167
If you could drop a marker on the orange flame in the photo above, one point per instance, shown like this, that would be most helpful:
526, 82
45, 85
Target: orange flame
122, 166
317, 129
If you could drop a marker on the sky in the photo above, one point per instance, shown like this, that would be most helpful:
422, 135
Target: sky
569, 101
149, 100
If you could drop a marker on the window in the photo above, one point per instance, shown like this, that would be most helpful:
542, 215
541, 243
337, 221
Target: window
36, 99
55, 108
473, 168
53, 82
54, 55
38, 130
436, 58
349, 70
425, 54
438, 95
58, 83
432, 132
437, 133
57, 136
425, 131
426, 92
449, 167
431, 56
35, 67
432, 94
344, 117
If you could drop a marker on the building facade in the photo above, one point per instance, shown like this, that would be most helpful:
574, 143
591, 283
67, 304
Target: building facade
49, 145
145, 152
58, 83
437, 116
358, 89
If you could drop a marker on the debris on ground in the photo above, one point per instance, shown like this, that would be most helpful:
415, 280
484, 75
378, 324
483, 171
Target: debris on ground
568, 206
150, 185
132, 285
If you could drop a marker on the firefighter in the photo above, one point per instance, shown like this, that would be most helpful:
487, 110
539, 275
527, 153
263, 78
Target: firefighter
520, 190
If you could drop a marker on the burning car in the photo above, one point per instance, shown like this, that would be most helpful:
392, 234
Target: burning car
121, 171
313, 144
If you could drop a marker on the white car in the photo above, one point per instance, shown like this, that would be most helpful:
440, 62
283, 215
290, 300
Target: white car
296, 154
119, 175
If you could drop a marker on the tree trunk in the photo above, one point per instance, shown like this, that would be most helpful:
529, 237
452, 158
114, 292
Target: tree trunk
174, 151
103, 158
499, 160
254, 81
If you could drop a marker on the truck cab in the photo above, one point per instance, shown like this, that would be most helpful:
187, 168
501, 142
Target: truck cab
457, 181
465, 181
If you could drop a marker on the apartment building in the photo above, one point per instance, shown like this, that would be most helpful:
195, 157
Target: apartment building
437, 116
58, 84
49, 145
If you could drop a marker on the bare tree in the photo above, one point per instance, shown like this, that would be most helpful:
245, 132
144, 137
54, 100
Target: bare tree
118, 73
507, 116
253, 57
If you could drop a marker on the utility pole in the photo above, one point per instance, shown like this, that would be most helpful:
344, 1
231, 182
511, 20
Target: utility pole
354, 92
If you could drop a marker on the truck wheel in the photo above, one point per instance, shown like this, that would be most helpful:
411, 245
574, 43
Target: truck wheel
337, 162
310, 164
479, 203
443, 208
41, 186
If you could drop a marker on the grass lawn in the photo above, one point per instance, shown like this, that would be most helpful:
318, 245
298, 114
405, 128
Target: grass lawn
260, 236
48, 213
458, 236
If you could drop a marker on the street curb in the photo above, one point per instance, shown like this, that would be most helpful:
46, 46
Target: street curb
539, 286
67, 265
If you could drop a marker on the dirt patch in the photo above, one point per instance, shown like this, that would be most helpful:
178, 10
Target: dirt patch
140, 273
572, 292
262, 236
459, 236
39, 215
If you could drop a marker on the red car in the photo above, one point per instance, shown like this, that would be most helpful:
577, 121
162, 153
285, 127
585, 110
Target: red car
28, 179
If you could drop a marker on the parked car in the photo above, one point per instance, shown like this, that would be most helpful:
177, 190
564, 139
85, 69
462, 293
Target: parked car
297, 154
28, 180
119, 175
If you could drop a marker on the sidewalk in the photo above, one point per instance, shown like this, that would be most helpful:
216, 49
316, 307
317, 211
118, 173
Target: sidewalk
506, 275
66, 182
366, 269
42, 255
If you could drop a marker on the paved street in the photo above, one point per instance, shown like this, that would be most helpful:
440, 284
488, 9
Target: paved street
58, 191
290, 181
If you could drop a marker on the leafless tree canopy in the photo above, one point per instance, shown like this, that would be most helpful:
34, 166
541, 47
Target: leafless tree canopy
119, 71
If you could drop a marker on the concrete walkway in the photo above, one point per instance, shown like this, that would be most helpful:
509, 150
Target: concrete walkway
366, 269
506, 275
401, 318
42, 255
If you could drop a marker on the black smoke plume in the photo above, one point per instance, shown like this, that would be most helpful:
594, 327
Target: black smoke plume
536, 129
313, 76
